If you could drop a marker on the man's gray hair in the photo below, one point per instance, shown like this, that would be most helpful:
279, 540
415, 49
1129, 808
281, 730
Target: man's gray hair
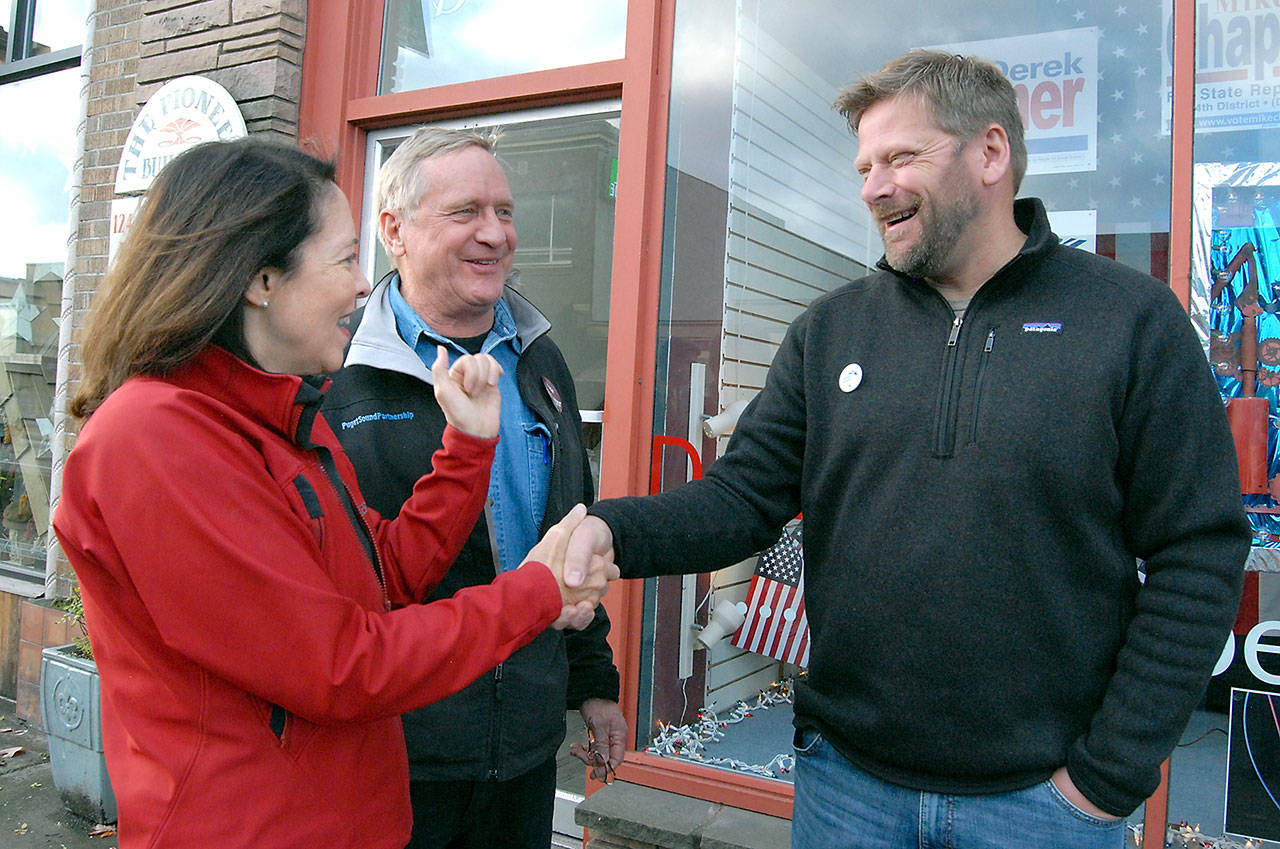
965, 94
401, 185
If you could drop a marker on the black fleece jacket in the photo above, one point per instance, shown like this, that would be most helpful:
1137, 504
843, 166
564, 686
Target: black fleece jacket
383, 409
973, 510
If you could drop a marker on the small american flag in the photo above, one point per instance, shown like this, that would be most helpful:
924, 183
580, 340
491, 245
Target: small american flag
776, 625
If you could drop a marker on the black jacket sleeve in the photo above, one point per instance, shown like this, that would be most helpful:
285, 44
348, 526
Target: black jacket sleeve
1191, 531
740, 506
592, 674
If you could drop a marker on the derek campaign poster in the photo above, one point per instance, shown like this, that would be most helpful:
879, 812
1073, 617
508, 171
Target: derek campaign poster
1055, 76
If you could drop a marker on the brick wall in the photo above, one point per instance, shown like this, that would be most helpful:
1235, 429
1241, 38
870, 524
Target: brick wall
42, 626
253, 49
109, 112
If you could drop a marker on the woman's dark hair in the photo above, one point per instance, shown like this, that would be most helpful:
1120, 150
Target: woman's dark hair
215, 216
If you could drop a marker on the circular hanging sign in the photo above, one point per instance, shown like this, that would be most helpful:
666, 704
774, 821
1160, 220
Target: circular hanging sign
182, 113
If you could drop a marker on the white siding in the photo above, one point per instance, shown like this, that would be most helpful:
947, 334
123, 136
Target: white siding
797, 229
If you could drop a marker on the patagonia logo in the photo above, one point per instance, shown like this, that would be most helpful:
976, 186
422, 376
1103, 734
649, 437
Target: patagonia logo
1041, 327
377, 417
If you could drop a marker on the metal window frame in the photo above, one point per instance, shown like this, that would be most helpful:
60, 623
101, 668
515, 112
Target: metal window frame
19, 62
34, 66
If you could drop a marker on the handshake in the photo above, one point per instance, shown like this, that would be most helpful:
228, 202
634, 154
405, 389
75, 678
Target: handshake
579, 552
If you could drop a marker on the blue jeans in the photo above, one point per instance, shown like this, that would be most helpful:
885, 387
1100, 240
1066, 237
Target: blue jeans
838, 806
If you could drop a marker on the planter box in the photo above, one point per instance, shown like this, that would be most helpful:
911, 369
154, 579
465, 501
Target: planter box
71, 706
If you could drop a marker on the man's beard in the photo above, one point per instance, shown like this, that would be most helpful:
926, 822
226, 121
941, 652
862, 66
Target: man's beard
939, 236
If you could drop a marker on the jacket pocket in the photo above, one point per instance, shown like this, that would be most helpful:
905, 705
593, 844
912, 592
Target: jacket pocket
288, 732
314, 510
983, 360
806, 741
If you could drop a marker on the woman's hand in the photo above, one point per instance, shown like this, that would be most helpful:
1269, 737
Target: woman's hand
580, 601
468, 392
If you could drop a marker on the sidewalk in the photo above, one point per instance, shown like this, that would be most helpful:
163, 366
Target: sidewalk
31, 814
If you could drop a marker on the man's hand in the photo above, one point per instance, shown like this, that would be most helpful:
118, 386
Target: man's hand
1067, 788
579, 601
468, 392
606, 738
591, 539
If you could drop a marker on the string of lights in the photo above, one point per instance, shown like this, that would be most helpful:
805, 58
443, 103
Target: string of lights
1186, 836
690, 741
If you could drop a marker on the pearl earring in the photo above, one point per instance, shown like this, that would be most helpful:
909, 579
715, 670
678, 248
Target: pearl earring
264, 305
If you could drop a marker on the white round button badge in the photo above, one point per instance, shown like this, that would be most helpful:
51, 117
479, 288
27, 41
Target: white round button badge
851, 377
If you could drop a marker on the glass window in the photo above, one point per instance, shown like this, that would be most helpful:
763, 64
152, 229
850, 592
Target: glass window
58, 24
33, 28
6, 24
36, 155
1235, 302
763, 215
436, 42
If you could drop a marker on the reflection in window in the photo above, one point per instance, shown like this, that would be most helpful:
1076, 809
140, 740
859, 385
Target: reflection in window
35, 163
437, 42
6, 23
59, 24
29, 307
34, 28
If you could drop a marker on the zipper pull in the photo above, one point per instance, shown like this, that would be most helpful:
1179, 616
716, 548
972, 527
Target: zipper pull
991, 340
955, 332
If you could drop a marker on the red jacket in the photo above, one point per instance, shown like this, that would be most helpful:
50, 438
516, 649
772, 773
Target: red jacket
252, 676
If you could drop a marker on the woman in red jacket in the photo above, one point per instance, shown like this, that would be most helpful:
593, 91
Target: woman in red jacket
254, 622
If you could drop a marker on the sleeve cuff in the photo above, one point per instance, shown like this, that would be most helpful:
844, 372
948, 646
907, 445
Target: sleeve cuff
541, 590
462, 444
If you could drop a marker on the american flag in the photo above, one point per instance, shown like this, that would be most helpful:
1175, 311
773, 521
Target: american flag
776, 625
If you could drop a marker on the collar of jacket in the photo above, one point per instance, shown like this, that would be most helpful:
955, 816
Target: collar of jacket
285, 403
1030, 216
377, 342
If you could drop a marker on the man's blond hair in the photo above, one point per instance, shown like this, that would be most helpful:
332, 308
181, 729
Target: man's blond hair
401, 184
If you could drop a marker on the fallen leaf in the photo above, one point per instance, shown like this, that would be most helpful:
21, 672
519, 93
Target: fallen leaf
102, 830
22, 829
5, 754
36, 784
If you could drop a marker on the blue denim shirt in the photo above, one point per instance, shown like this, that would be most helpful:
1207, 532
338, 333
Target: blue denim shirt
522, 463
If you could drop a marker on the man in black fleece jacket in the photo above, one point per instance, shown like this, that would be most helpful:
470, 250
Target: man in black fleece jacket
985, 435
